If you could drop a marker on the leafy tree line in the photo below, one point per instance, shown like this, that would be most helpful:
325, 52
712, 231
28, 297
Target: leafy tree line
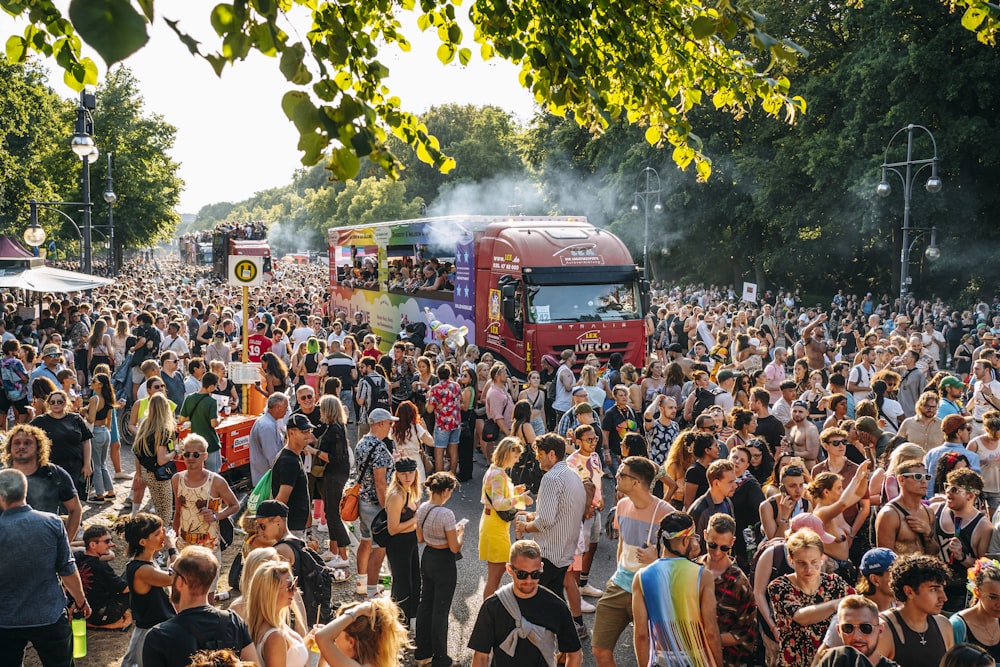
36, 161
790, 207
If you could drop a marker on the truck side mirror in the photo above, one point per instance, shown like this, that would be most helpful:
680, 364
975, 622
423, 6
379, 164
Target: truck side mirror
509, 304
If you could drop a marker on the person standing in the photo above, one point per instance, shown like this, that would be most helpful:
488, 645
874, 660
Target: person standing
202, 499
289, 483
673, 604
924, 427
443, 537
70, 437
335, 455
201, 410
444, 400
524, 623
860, 630
401, 501
917, 632
985, 394
733, 596
34, 607
560, 509
197, 624
564, 383
375, 466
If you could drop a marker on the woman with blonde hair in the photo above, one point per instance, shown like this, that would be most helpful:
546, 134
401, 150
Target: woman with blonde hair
154, 447
499, 494
679, 459
401, 501
272, 591
251, 561
334, 452
367, 634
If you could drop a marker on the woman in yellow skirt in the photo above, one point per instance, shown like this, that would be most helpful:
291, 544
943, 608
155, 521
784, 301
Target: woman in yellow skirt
499, 493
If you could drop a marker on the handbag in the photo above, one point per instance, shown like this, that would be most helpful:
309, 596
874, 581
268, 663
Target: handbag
506, 515
165, 472
380, 528
350, 501
491, 431
260, 493
226, 533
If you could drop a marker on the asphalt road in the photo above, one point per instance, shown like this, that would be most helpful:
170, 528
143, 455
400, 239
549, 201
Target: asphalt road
472, 576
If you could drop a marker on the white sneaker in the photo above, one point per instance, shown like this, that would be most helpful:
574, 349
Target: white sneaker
591, 592
123, 475
327, 555
337, 561
586, 607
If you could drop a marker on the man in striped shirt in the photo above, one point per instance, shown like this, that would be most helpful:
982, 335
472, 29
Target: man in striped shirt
560, 506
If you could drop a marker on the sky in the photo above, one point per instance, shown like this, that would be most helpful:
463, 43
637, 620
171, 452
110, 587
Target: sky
232, 137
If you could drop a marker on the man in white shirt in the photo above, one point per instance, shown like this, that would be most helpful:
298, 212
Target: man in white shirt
859, 381
302, 332
565, 379
337, 333
985, 395
173, 342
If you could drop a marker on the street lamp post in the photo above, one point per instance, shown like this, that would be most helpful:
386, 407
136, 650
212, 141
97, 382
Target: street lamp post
110, 197
911, 169
83, 145
645, 196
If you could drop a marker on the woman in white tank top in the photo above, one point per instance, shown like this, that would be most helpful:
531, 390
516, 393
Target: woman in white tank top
272, 590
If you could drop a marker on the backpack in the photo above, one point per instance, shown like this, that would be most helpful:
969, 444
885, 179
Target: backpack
703, 400
315, 582
378, 395
779, 565
527, 471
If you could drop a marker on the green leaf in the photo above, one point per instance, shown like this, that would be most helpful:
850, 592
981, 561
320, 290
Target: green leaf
973, 18
147, 9
344, 164
464, 56
446, 53
703, 26
187, 40
653, 135
223, 19
16, 48
292, 65
111, 27
300, 110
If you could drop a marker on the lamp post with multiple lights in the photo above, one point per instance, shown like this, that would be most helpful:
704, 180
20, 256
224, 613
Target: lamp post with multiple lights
650, 194
910, 169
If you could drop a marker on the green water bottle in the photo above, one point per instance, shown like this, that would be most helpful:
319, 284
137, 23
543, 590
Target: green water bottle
79, 624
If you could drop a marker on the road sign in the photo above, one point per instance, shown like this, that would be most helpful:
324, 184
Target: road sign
245, 271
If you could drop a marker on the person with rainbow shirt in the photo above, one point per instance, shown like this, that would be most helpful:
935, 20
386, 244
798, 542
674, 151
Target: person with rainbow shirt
674, 605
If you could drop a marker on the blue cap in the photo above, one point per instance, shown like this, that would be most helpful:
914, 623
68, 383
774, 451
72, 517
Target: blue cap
877, 561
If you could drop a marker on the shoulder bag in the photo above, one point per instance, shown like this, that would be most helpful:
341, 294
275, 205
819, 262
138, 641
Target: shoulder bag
349, 503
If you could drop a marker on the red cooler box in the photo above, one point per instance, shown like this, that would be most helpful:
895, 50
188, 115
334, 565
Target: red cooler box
234, 434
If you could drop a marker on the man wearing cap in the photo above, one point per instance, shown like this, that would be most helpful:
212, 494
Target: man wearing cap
924, 428
951, 389
727, 382
289, 483
258, 343
957, 432
51, 364
272, 531
870, 435
985, 394
339, 365
374, 469
570, 420
874, 586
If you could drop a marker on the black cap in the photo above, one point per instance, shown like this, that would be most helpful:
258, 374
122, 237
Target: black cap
299, 422
270, 508
406, 465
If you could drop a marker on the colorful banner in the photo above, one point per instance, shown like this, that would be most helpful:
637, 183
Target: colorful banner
465, 276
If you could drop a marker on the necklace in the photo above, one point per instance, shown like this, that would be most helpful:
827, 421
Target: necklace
923, 642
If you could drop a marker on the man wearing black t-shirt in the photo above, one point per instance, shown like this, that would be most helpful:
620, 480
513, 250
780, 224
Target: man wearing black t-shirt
769, 427
49, 486
536, 605
106, 591
197, 625
288, 478
618, 421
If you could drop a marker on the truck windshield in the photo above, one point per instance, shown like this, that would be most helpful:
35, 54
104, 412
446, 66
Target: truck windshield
583, 303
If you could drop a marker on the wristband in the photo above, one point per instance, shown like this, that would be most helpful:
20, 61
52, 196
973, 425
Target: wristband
172, 551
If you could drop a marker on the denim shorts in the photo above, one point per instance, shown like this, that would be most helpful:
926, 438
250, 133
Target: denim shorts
443, 438
366, 514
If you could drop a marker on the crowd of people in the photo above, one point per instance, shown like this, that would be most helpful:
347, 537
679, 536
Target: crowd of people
792, 485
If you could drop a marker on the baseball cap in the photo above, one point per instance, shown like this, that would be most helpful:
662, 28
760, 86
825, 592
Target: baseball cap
261, 326
550, 360
868, 425
51, 351
877, 561
380, 415
270, 508
299, 422
726, 374
579, 391
675, 347
583, 408
813, 523
952, 423
951, 381
800, 404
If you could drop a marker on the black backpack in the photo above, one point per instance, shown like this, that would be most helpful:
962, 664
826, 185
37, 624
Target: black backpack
703, 400
527, 471
315, 582
378, 394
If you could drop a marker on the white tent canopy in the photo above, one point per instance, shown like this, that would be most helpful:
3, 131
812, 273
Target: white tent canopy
48, 279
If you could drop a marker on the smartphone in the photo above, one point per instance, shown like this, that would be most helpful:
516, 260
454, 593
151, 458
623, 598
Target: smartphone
462, 522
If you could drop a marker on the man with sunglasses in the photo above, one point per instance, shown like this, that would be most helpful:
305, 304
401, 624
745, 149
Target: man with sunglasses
904, 525
197, 624
874, 586
960, 530
107, 592
734, 600
860, 628
524, 604
202, 499
201, 410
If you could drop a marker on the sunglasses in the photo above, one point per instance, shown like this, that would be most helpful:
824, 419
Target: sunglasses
192, 455
293, 584
838, 443
712, 428
724, 548
849, 628
957, 489
918, 476
590, 440
524, 574
157, 386
57, 402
